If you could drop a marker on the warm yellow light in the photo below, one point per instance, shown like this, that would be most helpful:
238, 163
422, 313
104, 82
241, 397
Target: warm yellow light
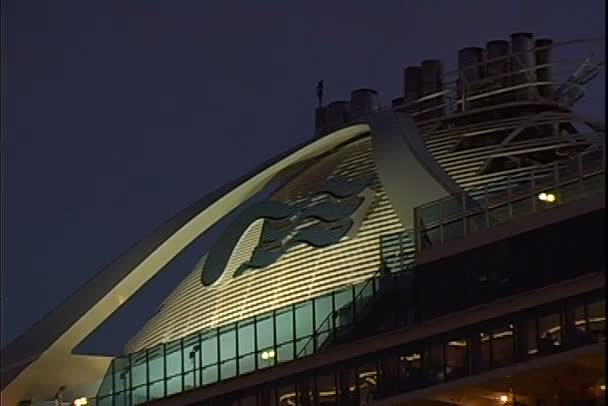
602, 387
81, 402
268, 354
504, 398
546, 197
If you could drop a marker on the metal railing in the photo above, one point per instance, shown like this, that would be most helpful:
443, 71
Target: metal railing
541, 188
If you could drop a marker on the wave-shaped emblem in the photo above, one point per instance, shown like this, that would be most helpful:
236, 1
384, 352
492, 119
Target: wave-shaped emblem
322, 219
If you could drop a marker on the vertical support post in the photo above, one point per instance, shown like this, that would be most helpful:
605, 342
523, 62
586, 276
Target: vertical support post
165, 369
509, 197
533, 189
580, 174
354, 306
219, 354
183, 369
114, 382
147, 374
464, 214
130, 379
236, 347
255, 343
314, 326
333, 311
274, 336
486, 209
200, 359
440, 220
417, 229
293, 326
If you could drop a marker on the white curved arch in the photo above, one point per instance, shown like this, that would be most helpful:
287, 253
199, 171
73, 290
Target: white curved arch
51, 341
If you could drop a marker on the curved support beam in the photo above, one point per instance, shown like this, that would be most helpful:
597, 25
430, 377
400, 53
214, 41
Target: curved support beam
56, 335
400, 153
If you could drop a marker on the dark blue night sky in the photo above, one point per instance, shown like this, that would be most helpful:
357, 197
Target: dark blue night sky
116, 114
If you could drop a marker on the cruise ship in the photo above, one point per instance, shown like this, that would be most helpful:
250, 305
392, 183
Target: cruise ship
445, 250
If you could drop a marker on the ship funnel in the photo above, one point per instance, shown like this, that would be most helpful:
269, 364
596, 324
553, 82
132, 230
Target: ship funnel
542, 55
432, 72
470, 70
337, 114
522, 62
497, 57
363, 102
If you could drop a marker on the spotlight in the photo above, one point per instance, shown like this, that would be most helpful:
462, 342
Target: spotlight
504, 398
546, 197
268, 354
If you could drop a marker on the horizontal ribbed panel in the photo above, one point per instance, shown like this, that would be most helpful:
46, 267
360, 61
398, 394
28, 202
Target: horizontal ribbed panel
302, 273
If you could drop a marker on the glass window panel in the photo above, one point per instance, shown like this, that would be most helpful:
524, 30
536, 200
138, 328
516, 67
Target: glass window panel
434, 363
363, 294
246, 363
550, 331
174, 359
121, 374
104, 401
286, 395
521, 207
344, 300
285, 352
580, 319
451, 207
476, 222
157, 390
138, 369
389, 375
156, 363
430, 237
265, 333
348, 391
484, 351
503, 348
597, 320
227, 343
368, 380
174, 384
267, 396
304, 326
527, 342
411, 370
453, 230
456, 357
250, 400
209, 348
210, 374
326, 387
304, 347
140, 395
228, 369
192, 366
306, 391
284, 326
122, 399
105, 388
323, 311
246, 338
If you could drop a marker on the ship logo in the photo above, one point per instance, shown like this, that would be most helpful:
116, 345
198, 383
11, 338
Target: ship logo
333, 211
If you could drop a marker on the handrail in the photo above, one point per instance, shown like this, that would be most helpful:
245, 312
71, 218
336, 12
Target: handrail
334, 313
509, 193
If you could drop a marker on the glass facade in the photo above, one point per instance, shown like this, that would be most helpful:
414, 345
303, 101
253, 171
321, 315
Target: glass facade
235, 349
514, 197
514, 338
